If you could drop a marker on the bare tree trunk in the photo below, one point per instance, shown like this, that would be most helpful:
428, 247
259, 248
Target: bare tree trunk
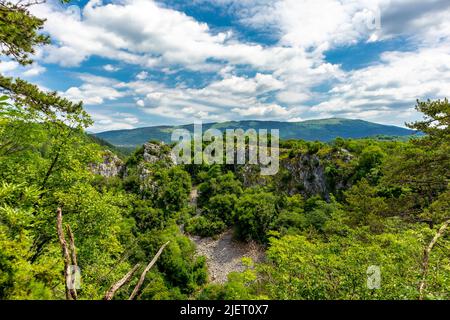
74, 259
65, 251
116, 286
144, 273
426, 257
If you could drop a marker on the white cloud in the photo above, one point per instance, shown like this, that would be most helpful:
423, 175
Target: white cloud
114, 121
95, 90
12, 68
34, 70
297, 119
144, 33
259, 111
391, 86
285, 75
7, 66
142, 75
323, 23
124, 32
230, 98
110, 68
317, 24
292, 97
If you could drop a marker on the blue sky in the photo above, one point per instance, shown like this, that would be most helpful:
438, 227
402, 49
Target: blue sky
137, 63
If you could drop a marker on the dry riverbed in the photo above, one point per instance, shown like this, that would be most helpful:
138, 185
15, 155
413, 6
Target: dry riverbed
223, 254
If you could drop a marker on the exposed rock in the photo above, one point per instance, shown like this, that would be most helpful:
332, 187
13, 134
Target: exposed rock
154, 152
224, 255
111, 166
251, 175
303, 173
307, 174
145, 178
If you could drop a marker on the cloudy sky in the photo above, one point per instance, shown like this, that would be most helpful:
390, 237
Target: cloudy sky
136, 63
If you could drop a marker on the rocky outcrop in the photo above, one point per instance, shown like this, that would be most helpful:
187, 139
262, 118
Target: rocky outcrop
111, 166
303, 173
154, 152
307, 173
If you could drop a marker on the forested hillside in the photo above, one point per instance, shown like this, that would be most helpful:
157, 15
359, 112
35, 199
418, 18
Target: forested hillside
332, 212
324, 130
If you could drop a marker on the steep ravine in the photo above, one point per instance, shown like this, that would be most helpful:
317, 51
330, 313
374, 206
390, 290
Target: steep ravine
303, 173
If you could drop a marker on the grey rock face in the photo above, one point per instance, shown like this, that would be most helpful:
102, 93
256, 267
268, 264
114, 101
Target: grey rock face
154, 152
111, 166
304, 173
307, 174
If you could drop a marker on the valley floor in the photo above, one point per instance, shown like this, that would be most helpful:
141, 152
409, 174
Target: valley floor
224, 254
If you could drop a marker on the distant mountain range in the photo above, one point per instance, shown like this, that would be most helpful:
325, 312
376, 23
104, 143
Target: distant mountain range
311, 130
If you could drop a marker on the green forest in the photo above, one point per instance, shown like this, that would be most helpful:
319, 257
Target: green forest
127, 219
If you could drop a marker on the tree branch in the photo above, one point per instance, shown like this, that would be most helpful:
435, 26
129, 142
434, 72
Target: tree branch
74, 258
426, 257
116, 286
144, 273
65, 251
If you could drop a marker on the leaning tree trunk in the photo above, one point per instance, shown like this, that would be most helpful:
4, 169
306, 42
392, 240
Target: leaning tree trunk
116, 286
74, 260
71, 292
426, 257
144, 273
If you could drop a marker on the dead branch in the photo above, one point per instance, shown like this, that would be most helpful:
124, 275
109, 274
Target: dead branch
426, 257
72, 245
116, 286
144, 273
74, 259
65, 251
